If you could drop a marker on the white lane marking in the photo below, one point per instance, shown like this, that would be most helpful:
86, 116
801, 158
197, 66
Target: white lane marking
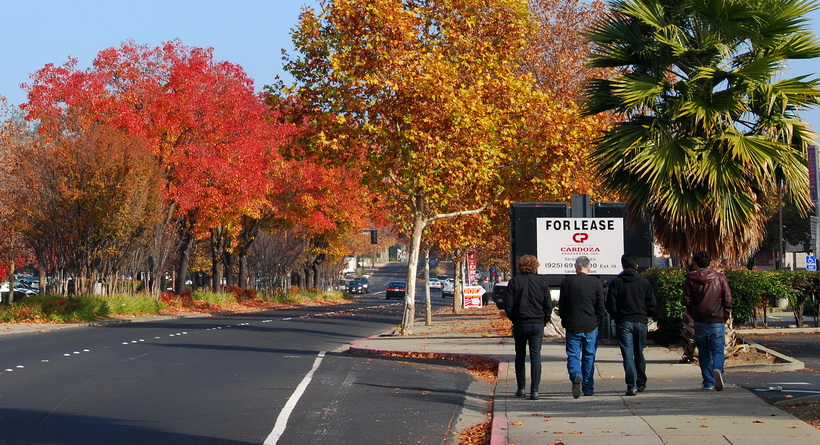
282, 420
802, 391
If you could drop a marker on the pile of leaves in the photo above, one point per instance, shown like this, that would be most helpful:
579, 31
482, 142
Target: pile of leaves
476, 434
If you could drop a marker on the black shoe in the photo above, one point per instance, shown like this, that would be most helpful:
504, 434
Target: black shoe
534, 395
641, 388
631, 392
576, 386
519, 393
589, 393
718, 379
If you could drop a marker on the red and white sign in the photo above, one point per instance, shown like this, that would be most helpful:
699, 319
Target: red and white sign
562, 240
472, 296
471, 266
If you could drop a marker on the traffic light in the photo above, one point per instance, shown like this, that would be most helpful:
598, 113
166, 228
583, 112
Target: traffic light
374, 237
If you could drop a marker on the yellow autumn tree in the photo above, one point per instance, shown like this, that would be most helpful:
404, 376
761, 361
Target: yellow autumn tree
430, 98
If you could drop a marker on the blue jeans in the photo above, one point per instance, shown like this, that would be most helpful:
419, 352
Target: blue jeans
632, 340
532, 335
581, 358
710, 340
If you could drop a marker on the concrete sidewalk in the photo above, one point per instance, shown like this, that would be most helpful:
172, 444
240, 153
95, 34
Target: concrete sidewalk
673, 410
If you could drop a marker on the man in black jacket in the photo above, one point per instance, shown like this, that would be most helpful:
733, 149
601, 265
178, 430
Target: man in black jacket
708, 302
529, 306
631, 302
581, 306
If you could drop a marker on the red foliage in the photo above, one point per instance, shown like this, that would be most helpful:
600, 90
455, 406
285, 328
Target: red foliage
241, 294
199, 118
184, 299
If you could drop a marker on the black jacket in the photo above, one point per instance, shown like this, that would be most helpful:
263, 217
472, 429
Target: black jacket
529, 300
581, 304
707, 296
630, 298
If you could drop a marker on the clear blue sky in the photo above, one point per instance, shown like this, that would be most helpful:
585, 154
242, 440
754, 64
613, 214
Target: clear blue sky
250, 33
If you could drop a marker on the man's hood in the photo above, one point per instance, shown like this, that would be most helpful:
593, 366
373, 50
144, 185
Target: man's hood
629, 275
703, 276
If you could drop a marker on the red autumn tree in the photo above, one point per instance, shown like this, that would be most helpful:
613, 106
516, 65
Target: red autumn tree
199, 118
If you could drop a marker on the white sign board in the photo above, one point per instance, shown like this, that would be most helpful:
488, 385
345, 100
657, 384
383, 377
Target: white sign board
473, 296
562, 240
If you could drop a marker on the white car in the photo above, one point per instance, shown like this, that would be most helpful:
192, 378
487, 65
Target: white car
434, 283
448, 289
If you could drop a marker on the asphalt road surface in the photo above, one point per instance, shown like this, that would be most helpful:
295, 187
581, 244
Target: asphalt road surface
256, 378
777, 386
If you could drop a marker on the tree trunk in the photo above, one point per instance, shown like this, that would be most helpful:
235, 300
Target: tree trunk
428, 319
243, 272
458, 285
217, 258
11, 283
186, 244
317, 276
409, 314
227, 262
41, 284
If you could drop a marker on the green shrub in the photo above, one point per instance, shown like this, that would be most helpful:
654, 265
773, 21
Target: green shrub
751, 288
668, 285
59, 309
214, 299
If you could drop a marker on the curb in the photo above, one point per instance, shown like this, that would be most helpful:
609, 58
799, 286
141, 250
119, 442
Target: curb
766, 331
798, 401
788, 363
498, 427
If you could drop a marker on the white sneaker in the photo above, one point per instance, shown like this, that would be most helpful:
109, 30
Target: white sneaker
718, 379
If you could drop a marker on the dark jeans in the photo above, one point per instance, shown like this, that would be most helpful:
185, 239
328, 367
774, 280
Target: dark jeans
532, 335
581, 350
632, 340
710, 340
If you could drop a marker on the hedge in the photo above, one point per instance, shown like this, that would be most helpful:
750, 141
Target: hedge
750, 288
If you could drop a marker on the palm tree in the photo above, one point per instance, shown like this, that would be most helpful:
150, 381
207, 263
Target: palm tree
709, 126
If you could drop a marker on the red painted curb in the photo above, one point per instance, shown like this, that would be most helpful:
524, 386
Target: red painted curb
498, 429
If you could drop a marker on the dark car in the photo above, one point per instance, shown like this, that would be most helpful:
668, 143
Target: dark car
355, 287
365, 283
499, 294
395, 289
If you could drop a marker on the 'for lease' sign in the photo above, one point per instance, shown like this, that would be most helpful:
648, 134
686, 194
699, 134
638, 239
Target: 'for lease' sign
562, 240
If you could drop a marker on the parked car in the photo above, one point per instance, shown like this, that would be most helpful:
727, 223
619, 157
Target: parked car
499, 293
355, 287
448, 289
21, 289
434, 283
395, 289
443, 277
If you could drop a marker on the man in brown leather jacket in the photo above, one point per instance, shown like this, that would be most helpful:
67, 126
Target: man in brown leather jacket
708, 301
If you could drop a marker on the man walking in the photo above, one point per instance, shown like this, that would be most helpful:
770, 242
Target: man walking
631, 301
708, 301
581, 307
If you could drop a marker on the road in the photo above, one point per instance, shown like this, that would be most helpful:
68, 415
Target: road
267, 377
777, 386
